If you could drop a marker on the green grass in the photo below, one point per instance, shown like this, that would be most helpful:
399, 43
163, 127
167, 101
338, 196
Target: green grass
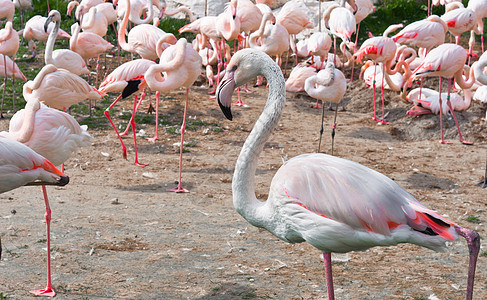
473, 219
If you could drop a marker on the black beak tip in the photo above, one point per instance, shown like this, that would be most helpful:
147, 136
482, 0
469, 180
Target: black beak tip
63, 181
226, 111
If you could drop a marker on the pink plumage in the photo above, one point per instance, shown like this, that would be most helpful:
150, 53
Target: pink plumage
12, 68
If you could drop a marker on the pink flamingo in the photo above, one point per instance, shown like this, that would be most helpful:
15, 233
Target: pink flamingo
82, 8
480, 9
59, 88
380, 49
181, 66
88, 45
20, 165
34, 30
293, 16
184, 9
427, 33
264, 5
319, 43
341, 22
54, 135
128, 78
136, 10
297, 77
9, 45
62, 58
7, 10
460, 19
364, 8
328, 85
334, 204
95, 21
446, 60
249, 16
143, 39
23, 6
426, 102
12, 68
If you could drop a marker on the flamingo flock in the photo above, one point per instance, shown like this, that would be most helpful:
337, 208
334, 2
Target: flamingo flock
335, 205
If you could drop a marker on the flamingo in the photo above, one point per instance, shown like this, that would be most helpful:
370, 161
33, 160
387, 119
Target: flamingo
62, 58
427, 33
298, 76
12, 68
128, 78
20, 165
341, 22
7, 10
364, 8
82, 8
136, 10
446, 60
480, 9
380, 49
60, 88
293, 16
9, 45
23, 6
426, 101
54, 135
249, 16
184, 9
334, 204
328, 85
95, 21
319, 43
460, 19
181, 66
143, 39
88, 45
34, 29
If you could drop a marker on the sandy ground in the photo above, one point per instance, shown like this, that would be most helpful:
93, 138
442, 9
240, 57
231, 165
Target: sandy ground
118, 234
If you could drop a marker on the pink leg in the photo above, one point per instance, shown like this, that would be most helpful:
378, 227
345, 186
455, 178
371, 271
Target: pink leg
13, 84
48, 291
107, 114
132, 123
383, 122
329, 276
219, 65
4, 85
473, 242
156, 136
239, 101
133, 115
317, 105
454, 117
482, 41
295, 49
179, 188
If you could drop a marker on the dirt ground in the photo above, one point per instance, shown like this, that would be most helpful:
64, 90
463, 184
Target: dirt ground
117, 233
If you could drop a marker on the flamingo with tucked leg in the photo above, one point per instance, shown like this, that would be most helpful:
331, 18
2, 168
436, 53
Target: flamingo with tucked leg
180, 65
54, 135
334, 204
128, 78
328, 85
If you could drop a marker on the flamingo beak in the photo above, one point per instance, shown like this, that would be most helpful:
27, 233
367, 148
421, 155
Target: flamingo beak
224, 93
46, 24
161, 14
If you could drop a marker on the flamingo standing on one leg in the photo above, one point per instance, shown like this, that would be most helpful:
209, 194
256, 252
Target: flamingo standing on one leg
181, 66
328, 85
334, 204
446, 60
9, 45
128, 78
54, 135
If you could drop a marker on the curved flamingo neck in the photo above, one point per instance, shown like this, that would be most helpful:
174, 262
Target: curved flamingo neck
244, 198
148, 18
25, 132
151, 76
121, 32
181, 9
461, 81
51, 39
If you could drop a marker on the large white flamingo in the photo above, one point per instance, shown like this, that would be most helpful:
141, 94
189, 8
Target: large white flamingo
34, 30
180, 65
334, 204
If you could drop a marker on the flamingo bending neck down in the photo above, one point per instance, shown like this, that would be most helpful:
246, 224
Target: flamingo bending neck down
334, 204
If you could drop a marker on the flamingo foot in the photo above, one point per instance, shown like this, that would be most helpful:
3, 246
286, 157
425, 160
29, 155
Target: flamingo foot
213, 97
47, 292
139, 164
124, 133
317, 106
247, 90
153, 140
376, 119
466, 142
444, 142
178, 189
240, 103
124, 153
384, 123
